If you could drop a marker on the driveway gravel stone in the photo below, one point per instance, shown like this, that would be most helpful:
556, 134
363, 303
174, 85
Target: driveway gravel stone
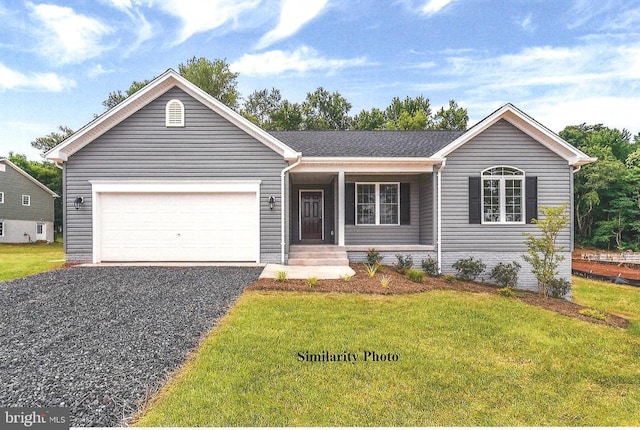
101, 340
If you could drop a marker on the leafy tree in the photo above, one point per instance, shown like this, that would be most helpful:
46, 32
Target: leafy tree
261, 106
46, 173
373, 119
214, 77
408, 114
288, 116
543, 252
326, 111
452, 118
116, 97
51, 140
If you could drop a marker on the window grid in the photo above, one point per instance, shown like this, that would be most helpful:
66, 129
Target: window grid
1, 197
377, 203
502, 195
1, 228
26, 200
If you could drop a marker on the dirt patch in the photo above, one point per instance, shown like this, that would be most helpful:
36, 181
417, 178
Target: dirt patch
606, 269
399, 284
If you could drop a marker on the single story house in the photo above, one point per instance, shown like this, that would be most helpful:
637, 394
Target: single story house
171, 174
26, 206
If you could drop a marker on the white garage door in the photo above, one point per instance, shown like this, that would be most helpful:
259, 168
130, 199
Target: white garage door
177, 226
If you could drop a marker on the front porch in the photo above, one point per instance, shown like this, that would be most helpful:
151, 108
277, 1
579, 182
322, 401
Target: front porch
350, 212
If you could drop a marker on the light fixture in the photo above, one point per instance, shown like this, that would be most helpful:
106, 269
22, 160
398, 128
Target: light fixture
77, 202
272, 202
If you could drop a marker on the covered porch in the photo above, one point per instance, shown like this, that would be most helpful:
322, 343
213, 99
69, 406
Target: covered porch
389, 206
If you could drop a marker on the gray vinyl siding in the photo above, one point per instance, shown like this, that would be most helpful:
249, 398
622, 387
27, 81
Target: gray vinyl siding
143, 148
387, 235
426, 209
501, 144
13, 184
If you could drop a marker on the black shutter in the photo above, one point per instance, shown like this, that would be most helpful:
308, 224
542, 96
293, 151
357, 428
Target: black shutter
405, 204
350, 204
531, 191
475, 208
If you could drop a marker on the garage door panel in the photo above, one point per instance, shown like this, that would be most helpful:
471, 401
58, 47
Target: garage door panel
178, 226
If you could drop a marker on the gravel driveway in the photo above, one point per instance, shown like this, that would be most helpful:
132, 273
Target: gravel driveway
99, 340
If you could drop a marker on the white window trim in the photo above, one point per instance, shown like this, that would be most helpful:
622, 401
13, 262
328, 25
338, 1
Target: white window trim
168, 117
28, 200
1, 197
503, 197
377, 203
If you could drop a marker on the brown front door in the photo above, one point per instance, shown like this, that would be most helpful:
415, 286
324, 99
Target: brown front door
311, 215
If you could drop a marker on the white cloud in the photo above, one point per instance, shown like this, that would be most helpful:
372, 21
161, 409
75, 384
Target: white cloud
13, 80
199, 16
526, 23
293, 15
432, 7
301, 60
68, 37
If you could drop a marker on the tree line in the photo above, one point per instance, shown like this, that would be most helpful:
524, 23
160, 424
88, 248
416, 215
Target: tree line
606, 193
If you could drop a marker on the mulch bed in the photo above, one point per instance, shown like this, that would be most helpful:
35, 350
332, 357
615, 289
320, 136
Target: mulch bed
361, 283
606, 269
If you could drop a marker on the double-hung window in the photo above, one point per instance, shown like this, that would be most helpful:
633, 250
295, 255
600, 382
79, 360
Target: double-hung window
26, 200
1, 228
503, 195
377, 203
1, 197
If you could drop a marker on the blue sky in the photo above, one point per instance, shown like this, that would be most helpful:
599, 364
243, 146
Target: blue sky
562, 61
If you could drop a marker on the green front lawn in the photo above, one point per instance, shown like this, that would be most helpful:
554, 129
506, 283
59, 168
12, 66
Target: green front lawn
465, 359
27, 259
608, 297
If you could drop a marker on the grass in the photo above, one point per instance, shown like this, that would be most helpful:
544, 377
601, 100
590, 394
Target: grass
19, 260
464, 360
608, 297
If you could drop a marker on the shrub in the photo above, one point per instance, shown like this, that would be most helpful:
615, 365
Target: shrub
346, 277
281, 275
385, 281
506, 292
430, 266
593, 313
312, 281
468, 268
449, 278
558, 287
372, 269
506, 274
373, 257
404, 263
415, 275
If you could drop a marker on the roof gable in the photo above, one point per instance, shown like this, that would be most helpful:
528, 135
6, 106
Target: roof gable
146, 95
28, 176
527, 125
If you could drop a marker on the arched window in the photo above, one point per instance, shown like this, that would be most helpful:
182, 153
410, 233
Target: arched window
175, 113
503, 199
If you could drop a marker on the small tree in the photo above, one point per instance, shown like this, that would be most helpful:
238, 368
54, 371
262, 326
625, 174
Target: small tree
543, 252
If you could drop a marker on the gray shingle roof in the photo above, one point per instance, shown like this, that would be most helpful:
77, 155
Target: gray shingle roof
378, 143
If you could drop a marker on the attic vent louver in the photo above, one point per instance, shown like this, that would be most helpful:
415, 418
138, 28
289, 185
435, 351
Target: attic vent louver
175, 113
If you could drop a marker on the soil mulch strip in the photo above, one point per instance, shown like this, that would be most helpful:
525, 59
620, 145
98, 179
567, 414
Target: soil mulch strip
361, 283
606, 269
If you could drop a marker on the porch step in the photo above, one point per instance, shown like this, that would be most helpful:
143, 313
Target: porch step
317, 255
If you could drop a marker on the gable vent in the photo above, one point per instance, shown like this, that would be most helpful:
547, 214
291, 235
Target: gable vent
175, 114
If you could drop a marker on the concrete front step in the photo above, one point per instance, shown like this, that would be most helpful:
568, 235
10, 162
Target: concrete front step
318, 261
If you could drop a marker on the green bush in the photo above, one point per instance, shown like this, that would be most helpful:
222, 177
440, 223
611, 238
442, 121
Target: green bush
346, 277
312, 281
373, 257
468, 268
372, 269
385, 280
449, 278
404, 263
506, 274
506, 292
558, 287
281, 276
415, 275
430, 266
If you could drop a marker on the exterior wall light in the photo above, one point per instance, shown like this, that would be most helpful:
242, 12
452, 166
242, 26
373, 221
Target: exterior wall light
77, 202
272, 202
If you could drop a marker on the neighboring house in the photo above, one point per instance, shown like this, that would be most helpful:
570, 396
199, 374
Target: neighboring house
26, 206
172, 174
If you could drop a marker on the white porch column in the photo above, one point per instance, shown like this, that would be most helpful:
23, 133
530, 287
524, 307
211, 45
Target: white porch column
341, 207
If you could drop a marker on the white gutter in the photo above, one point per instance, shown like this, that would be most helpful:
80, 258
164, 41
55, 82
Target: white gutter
439, 238
282, 206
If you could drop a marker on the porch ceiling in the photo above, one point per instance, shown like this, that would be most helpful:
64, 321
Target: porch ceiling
312, 178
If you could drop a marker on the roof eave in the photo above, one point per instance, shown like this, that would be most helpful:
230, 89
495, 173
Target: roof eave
29, 177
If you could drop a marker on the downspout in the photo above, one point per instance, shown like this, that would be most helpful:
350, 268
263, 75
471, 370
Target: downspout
282, 205
439, 238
